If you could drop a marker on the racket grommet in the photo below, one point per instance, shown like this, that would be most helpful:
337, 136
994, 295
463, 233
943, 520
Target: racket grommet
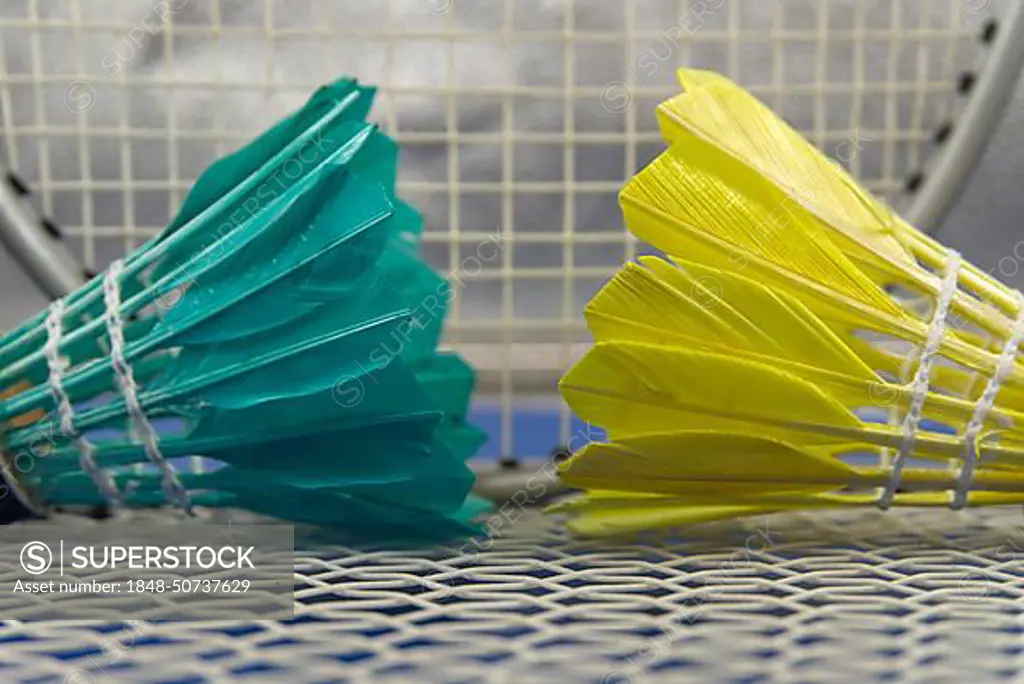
914, 182
942, 133
19, 185
52, 229
989, 31
965, 82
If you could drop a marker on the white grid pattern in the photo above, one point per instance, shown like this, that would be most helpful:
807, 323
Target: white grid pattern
908, 596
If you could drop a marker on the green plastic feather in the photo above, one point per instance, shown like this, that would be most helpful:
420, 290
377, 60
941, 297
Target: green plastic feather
283, 328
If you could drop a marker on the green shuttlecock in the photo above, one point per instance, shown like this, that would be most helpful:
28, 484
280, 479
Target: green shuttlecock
278, 329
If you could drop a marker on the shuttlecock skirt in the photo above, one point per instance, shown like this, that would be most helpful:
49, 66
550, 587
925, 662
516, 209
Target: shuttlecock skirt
798, 345
272, 330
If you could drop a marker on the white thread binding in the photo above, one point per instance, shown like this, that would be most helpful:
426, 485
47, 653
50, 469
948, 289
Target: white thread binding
919, 385
985, 403
173, 489
86, 450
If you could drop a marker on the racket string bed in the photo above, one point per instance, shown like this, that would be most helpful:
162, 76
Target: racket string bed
908, 594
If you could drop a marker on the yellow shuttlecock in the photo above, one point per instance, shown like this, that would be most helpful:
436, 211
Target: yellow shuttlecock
800, 346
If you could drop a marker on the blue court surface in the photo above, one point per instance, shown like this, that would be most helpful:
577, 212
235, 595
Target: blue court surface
537, 430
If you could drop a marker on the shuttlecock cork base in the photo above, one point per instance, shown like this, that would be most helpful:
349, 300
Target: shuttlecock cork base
799, 346
203, 369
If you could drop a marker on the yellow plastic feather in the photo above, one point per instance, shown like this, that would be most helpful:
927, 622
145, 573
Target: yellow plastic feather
779, 335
